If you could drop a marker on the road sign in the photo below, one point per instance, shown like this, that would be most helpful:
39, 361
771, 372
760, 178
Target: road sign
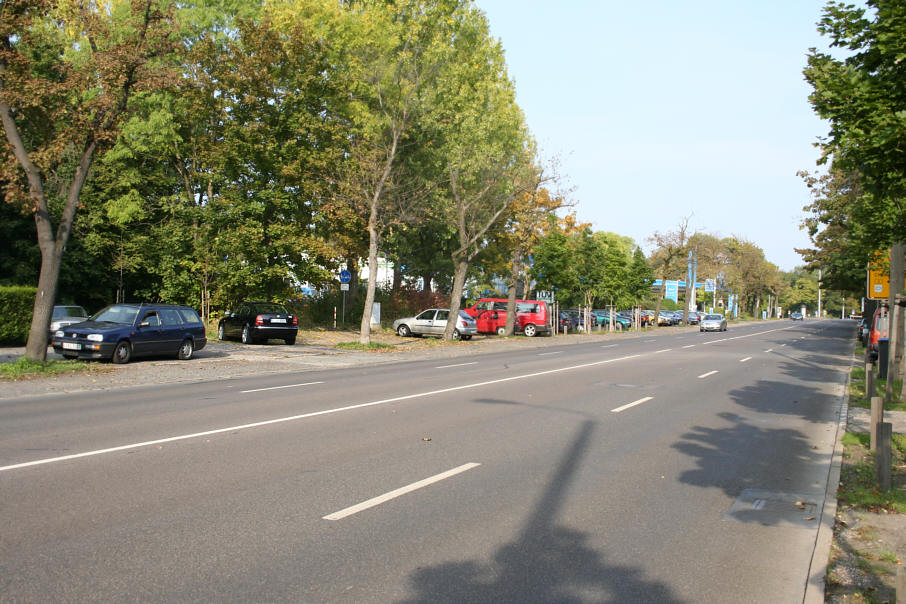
344, 287
709, 285
345, 276
878, 279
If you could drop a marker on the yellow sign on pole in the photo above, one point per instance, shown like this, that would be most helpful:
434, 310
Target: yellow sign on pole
878, 278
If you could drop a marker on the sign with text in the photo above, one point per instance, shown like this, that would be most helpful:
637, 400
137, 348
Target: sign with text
672, 291
878, 278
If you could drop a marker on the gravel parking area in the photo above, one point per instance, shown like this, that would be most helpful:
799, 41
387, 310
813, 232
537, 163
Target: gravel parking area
313, 350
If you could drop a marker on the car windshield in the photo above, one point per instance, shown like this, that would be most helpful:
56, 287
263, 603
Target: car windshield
270, 309
713, 317
465, 315
68, 311
116, 314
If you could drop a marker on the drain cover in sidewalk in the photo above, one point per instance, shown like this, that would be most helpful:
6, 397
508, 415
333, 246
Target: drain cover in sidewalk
774, 509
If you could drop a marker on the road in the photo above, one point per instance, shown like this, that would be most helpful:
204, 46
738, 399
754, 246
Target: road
681, 467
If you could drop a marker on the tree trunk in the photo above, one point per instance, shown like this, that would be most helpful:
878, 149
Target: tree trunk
510, 327
365, 329
896, 320
459, 282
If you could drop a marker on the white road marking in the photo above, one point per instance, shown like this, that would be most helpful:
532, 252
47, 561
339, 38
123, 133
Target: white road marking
457, 365
689, 346
610, 346
291, 418
647, 341
782, 345
704, 375
543, 354
632, 404
279, 387
745, 359
664, 350
355, 509
769, 350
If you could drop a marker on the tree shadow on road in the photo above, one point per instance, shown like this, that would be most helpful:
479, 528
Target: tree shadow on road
546, 562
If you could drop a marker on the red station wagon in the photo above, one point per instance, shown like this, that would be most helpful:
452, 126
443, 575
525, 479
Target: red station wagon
532, 316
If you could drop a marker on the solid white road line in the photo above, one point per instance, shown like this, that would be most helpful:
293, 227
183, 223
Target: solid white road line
457, 365
279, 387
632, 404
291, 418
704, 375
355, 509
745, 359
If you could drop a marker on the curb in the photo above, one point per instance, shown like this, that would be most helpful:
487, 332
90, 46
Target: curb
816, 584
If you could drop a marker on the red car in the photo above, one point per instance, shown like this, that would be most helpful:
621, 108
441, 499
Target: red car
878, 330
532, 316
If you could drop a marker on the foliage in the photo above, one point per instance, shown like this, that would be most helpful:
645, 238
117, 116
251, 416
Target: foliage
26, 369
858, 483
16, 303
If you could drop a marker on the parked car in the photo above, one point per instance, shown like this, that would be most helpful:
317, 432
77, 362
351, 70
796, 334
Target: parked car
121, 332
494, 321
568, 322
534, 315
796, 316
433, 322
695, 317
879, 323
63, 316
713, 322
619, 321
257, 322
863, 329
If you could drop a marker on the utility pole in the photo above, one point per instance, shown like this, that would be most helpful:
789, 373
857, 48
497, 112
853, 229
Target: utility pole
819, 293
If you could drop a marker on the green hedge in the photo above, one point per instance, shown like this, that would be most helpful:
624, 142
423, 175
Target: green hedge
16, 307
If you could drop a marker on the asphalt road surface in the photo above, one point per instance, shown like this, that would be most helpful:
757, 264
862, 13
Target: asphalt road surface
684, 467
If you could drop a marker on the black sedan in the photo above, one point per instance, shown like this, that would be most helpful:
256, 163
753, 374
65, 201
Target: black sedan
257, 322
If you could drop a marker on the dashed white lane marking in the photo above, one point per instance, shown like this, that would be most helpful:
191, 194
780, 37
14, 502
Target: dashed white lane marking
664, 350
355, 509
704, 375
457, 365
769, 350
632, 404
291, 418
610, 346
279, 387
689, 346
745, 359
544, 354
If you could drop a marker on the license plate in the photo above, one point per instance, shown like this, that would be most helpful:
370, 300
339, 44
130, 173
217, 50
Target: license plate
72, 346
278, 320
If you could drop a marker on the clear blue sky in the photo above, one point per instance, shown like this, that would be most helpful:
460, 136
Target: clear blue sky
665, 109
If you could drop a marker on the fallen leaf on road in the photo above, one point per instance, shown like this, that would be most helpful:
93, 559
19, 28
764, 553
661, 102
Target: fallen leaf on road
426, 439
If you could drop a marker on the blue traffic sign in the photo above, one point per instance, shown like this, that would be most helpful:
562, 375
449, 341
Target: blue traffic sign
345, 276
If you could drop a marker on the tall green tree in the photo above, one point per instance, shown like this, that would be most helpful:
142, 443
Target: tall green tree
68, 72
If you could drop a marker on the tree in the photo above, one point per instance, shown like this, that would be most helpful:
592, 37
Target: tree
67, 75
668, 257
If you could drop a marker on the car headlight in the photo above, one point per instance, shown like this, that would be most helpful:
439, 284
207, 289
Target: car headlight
96, 337
58, 334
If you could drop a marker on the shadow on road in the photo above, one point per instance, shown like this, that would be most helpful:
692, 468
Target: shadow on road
546, 562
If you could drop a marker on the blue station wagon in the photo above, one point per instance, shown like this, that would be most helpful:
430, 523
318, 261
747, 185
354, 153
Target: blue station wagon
123, 331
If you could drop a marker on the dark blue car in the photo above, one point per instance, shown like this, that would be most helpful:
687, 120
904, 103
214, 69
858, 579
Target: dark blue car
123, 331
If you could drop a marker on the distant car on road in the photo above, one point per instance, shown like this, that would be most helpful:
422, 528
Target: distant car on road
257, 322
122, 332
796, 316
713, 322
433, 322
64, 316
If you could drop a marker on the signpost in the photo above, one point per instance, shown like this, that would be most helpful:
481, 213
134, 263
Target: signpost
345, 278
878, 280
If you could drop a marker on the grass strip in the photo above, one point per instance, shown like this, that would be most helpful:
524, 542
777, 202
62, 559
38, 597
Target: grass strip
25, 369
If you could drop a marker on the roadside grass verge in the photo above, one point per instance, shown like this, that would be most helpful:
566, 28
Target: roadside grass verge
857, 396
373, 346
24, 369
858, 487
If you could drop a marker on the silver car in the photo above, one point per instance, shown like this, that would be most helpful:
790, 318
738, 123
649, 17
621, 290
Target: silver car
713, 323
64, 316
433, 322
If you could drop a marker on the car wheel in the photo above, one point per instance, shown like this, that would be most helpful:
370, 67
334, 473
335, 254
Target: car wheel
290, 341
403, 331
466, 337
529, 330
702, 330
185, 350
501, 331
247, 335
122, 354
456, 334
221, 332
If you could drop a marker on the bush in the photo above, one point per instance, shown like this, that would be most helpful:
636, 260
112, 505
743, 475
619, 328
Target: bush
16, 308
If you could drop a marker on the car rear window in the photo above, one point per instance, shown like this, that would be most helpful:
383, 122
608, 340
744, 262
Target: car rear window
189, 315
270, 309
